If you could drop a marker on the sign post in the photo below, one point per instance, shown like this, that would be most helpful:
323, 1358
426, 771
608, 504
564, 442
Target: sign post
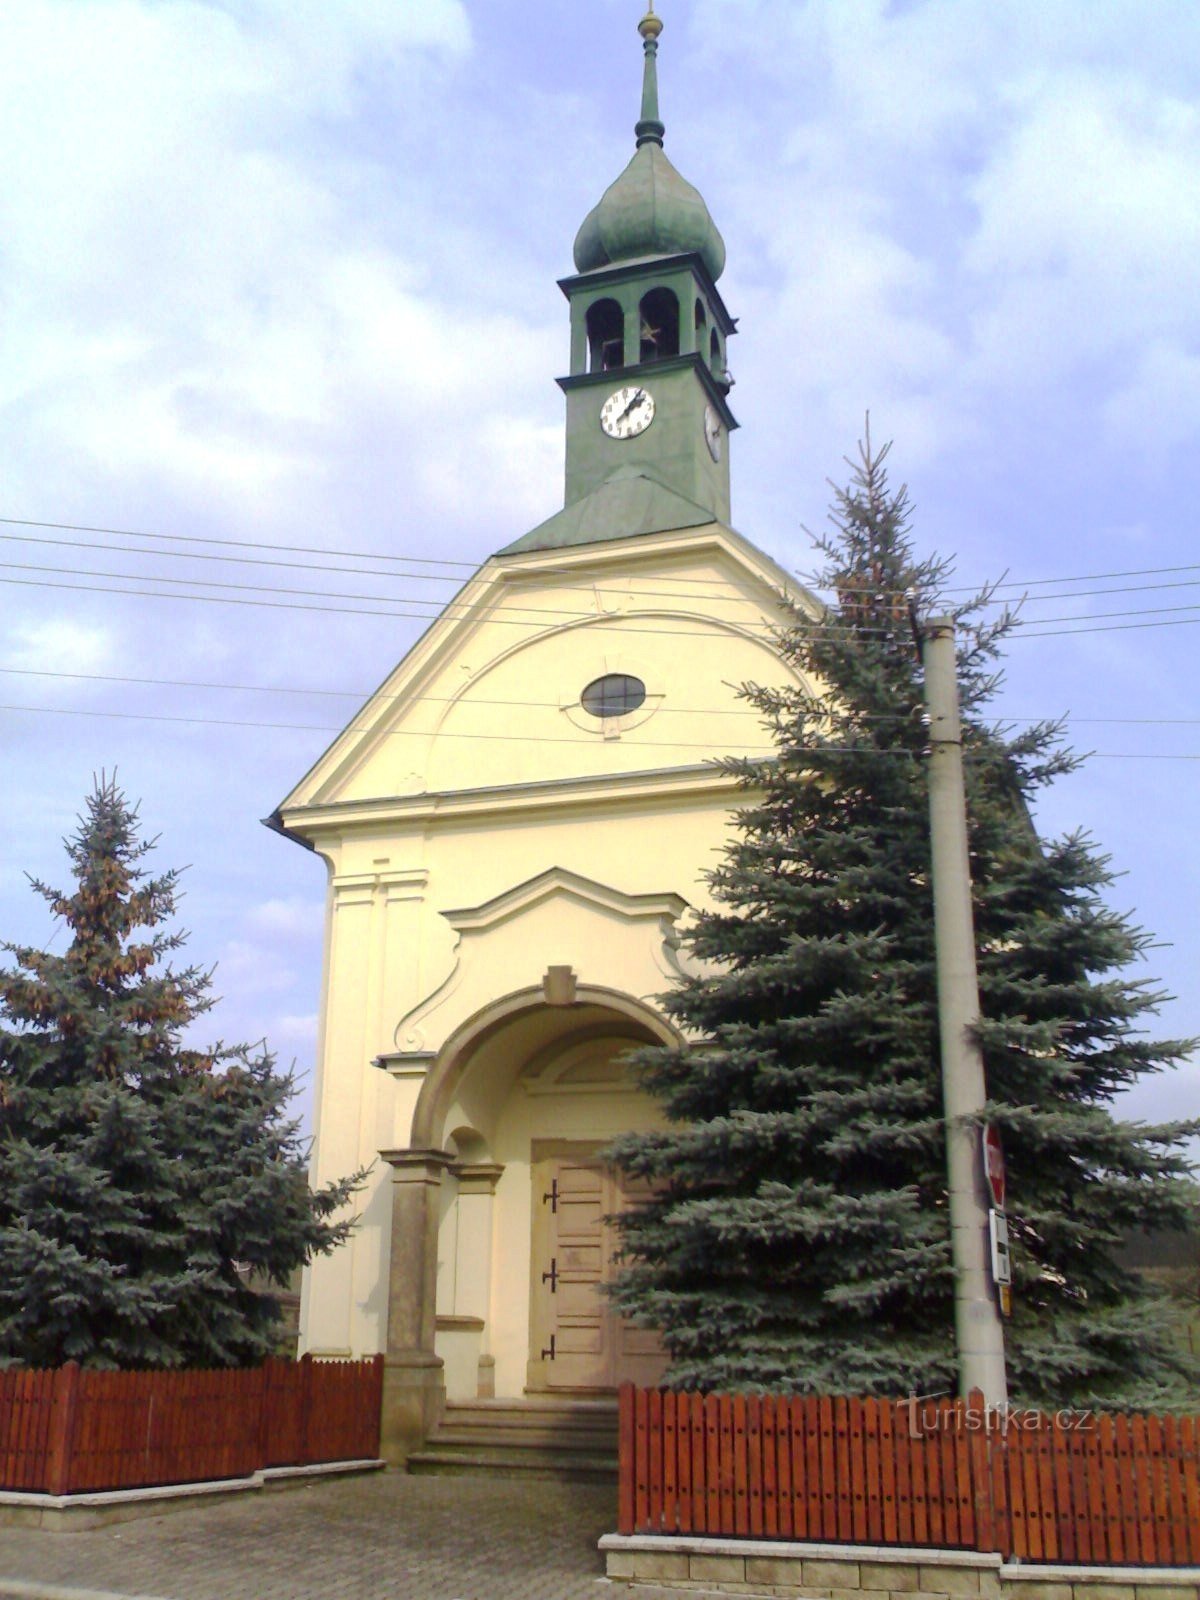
993, 1163
993, 1171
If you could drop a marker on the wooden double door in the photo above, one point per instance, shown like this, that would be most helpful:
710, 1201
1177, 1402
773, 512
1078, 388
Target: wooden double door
577, 1339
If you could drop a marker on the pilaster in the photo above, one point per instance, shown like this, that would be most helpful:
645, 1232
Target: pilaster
413, 1388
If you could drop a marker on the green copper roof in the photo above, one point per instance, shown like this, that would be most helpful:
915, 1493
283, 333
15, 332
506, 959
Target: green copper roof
627, 504
650, 210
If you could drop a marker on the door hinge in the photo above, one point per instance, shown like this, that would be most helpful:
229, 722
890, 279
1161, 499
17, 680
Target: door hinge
552, 1195
548, 1351
551, 1277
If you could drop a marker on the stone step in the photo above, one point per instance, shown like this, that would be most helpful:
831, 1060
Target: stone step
537, 1406
543, 1437
550, 1464
456, 1434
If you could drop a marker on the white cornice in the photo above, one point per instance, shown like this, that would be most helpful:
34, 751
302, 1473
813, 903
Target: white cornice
583, 794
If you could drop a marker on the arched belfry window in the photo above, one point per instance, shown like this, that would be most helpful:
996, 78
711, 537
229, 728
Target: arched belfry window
606, 336
715, 360
660, 325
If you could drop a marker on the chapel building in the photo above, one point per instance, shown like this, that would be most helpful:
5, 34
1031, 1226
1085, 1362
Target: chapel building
515, 828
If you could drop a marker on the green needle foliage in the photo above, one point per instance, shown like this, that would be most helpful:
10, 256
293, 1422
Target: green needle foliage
799, 1236
136, 1175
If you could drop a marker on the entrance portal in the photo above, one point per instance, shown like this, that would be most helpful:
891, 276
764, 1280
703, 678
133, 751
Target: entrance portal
577, 1339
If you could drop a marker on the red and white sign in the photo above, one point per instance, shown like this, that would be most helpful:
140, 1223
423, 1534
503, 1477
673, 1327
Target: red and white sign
993, 1164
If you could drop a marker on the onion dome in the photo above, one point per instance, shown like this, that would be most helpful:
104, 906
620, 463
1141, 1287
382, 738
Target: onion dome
650, 210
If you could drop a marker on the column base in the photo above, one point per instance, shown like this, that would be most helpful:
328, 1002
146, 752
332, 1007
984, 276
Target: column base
414, 1396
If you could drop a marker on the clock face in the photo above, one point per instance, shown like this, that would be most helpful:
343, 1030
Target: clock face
627, 412
712, 432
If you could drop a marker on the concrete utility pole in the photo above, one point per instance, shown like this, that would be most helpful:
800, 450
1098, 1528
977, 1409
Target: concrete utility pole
979, 1330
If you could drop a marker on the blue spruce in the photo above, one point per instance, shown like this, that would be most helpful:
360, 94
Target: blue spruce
798, 1239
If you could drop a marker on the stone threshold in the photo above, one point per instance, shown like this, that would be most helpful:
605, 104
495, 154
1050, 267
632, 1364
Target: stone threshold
78, 1512
872, 1572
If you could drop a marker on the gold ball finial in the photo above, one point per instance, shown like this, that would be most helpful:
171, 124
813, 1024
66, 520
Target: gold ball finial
650, 26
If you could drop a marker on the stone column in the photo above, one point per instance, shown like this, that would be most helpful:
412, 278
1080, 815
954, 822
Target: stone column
633, 333
473, 1283
413, 1390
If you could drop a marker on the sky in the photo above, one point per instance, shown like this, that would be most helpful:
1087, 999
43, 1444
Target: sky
283, 273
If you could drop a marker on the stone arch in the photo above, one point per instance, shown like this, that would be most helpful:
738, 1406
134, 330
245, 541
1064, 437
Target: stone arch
605, 335
659, 311
453, 1059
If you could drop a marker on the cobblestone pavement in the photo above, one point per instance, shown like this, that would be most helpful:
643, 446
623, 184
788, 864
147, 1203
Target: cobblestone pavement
380, 1537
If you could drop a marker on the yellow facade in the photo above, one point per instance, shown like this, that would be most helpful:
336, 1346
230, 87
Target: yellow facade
513, 855
508, 877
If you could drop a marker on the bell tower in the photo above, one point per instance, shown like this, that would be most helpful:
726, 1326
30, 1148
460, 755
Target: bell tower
648, 384
648, 417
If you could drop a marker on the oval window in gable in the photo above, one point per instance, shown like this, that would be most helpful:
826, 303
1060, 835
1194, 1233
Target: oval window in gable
614, 695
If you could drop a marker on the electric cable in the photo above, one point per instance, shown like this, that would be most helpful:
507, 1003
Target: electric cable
549, 705
469, 567
514, 738
593, 619
426, 577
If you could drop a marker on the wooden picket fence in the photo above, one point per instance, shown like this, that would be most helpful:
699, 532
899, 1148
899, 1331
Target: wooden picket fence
72, 1430
1063, 1487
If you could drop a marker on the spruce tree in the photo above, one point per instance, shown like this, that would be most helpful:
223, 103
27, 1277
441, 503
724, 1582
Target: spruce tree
138, 1175
798, 1239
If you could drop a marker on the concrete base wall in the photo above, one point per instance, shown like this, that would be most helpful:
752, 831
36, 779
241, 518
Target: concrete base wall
871, 1572
76, 1513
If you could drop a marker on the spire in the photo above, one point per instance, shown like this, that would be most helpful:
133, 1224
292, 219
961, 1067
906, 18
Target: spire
650, 210
650, 129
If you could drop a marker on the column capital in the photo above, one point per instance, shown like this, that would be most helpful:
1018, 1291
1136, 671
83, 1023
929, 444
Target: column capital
417, 1166
478, 1177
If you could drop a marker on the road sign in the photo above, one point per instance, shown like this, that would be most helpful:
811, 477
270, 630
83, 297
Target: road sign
1001, 1265
1001, 1260
993, 1164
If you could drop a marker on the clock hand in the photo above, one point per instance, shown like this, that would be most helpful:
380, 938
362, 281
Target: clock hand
638, 400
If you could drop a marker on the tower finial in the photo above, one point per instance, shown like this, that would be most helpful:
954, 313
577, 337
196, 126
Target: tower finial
650, 129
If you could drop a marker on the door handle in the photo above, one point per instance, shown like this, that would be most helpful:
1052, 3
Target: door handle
551, 1277
548, 1352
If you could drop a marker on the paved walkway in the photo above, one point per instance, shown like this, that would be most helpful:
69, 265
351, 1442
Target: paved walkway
380, 1537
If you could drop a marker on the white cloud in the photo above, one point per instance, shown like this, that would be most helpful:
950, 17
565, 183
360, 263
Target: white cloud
59, 644
1089, 218
295, 1030
1158, 408
290, 918
156, 182
245, 968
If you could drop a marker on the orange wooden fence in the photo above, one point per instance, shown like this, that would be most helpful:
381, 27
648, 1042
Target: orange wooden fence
1053, 1487
72, 1430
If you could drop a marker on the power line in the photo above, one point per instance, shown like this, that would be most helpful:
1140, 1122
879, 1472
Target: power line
240, 561
1115, 627
435, 608
465, 569
316, 566
599, 620
348, 694
402, 733
726, 598
515, 738
617, 625
469, 567
549, 705
1084, 577
1099, 616
240, 544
